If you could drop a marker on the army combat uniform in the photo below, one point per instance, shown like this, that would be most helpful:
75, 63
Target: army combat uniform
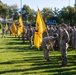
46, 46
23, 35
74, 38
3, 32
64, 39
30, 36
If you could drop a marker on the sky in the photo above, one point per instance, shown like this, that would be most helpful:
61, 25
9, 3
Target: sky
35, 4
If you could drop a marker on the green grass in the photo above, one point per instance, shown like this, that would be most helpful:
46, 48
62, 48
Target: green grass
18, 59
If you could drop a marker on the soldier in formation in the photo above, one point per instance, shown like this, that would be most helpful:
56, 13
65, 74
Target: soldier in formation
23, 34
30, 33
64, 39
47, 43
3, 32
59, 36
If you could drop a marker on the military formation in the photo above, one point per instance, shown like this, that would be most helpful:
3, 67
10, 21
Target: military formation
61, 36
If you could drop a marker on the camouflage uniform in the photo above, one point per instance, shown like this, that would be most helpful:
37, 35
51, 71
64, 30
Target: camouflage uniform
64, 39
46, 46
74, 38
30, 36
51, 31
3, 32
23, 35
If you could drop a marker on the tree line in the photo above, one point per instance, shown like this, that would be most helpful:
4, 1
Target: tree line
64, 15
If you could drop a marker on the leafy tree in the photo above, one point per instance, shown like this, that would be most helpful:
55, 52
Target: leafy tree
46, 12
3, 10
13, 11
55, 15
27, 13
68, 14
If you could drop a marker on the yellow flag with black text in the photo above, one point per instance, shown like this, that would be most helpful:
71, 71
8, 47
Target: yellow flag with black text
13, 29
40, 26
20, 26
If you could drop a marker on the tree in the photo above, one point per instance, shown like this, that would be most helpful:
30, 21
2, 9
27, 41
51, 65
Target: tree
3, 10
13, 12
46, 12
27, 13
74, 17
67, 14
55, 15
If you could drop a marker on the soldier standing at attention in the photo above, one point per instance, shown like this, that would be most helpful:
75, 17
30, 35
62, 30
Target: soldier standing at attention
64, 39
74, 37
3, 32
23, 35
30, 36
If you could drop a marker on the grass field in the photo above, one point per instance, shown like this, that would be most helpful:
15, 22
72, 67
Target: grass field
18, 59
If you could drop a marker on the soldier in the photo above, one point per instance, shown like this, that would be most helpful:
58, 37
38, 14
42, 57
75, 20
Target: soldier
3, 32
64, 39
23, 35
74, 38
51, 31
30, 35
46, 45
70, 31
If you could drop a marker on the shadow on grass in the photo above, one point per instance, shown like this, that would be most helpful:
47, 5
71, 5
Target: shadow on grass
37, 63
18, 43
12, 62
21, 49
72, 60
27, 71
46, 67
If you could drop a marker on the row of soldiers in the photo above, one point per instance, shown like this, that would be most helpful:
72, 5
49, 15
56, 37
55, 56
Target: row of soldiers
61, 36
52, 30
57, 29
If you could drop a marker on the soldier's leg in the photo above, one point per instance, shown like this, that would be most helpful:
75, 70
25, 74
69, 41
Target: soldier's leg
4, 36
64, 55
23, 38
75, 43
46, 52
31, 41
18, 37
